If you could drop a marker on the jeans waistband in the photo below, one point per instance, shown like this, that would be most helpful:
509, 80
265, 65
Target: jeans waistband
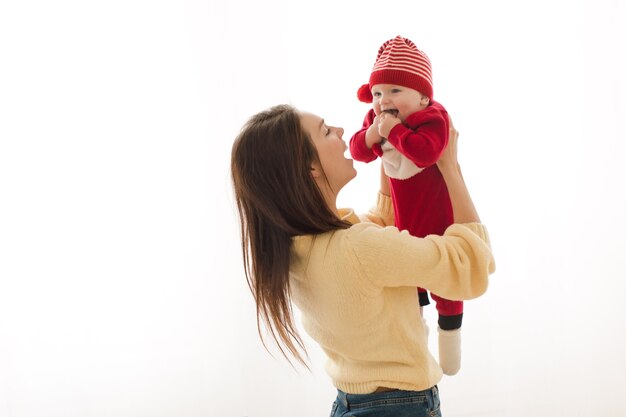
351, 401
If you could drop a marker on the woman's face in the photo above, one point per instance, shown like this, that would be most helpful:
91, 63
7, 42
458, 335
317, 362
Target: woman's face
331, 148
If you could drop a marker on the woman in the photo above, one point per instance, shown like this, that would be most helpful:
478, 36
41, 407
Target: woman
353, 281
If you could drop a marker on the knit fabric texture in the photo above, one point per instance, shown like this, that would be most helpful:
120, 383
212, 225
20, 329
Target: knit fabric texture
355, 289
399, 62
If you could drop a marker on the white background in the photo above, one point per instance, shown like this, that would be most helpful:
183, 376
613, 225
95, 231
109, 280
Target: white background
121, 286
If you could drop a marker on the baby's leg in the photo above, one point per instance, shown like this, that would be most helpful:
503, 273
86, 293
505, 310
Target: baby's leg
422, 295
449, 328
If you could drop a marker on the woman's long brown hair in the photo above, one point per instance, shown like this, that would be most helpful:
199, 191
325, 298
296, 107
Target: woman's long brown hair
277, 199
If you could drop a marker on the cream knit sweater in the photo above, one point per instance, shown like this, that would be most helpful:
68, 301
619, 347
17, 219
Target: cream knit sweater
356, 289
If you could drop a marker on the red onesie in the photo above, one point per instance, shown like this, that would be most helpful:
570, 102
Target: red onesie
421, 202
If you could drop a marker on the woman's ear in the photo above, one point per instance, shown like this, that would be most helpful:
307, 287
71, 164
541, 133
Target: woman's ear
424, 101
316, 170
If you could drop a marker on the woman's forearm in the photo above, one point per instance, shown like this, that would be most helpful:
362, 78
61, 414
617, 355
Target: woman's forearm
385, 187
462, 204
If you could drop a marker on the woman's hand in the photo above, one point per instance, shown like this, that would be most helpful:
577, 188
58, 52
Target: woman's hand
385, 187
449, 156
462, 204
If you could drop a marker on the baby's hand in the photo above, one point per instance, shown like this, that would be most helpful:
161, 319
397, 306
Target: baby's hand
372, 136
387, 121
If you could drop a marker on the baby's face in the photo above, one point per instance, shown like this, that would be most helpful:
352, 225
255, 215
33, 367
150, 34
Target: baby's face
397, 100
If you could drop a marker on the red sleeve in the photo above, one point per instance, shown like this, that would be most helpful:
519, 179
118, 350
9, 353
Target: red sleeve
425, 140
358, 148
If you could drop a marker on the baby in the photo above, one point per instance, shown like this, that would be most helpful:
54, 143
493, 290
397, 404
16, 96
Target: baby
409, 131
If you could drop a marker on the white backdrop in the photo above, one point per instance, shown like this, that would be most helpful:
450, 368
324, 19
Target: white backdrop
121, 286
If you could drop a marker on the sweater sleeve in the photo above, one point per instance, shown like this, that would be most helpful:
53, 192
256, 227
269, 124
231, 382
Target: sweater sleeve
455, 266
382, 213
427, 138
358, 148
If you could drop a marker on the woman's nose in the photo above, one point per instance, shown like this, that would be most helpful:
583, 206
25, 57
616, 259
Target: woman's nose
340, 131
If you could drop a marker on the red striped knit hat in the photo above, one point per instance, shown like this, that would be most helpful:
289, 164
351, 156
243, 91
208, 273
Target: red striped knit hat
399, 62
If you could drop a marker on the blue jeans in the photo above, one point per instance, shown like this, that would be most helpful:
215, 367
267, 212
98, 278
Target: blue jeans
388, 404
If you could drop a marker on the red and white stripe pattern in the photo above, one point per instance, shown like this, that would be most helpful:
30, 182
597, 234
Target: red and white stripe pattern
401, 54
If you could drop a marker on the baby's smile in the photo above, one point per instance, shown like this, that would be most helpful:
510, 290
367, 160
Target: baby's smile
393, 112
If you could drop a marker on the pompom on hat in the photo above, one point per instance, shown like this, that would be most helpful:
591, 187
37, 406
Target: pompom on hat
399, 62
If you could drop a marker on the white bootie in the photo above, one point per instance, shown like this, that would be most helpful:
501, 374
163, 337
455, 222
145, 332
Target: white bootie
450, 350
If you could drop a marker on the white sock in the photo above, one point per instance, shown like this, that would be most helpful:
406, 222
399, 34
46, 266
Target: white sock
450, 350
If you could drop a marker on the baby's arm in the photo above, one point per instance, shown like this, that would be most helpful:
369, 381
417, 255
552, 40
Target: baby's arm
372, 136
425, 143
364, 144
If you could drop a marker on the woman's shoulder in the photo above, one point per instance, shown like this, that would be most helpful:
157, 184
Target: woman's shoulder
360, 233
349, 215
367, 235
381, 213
